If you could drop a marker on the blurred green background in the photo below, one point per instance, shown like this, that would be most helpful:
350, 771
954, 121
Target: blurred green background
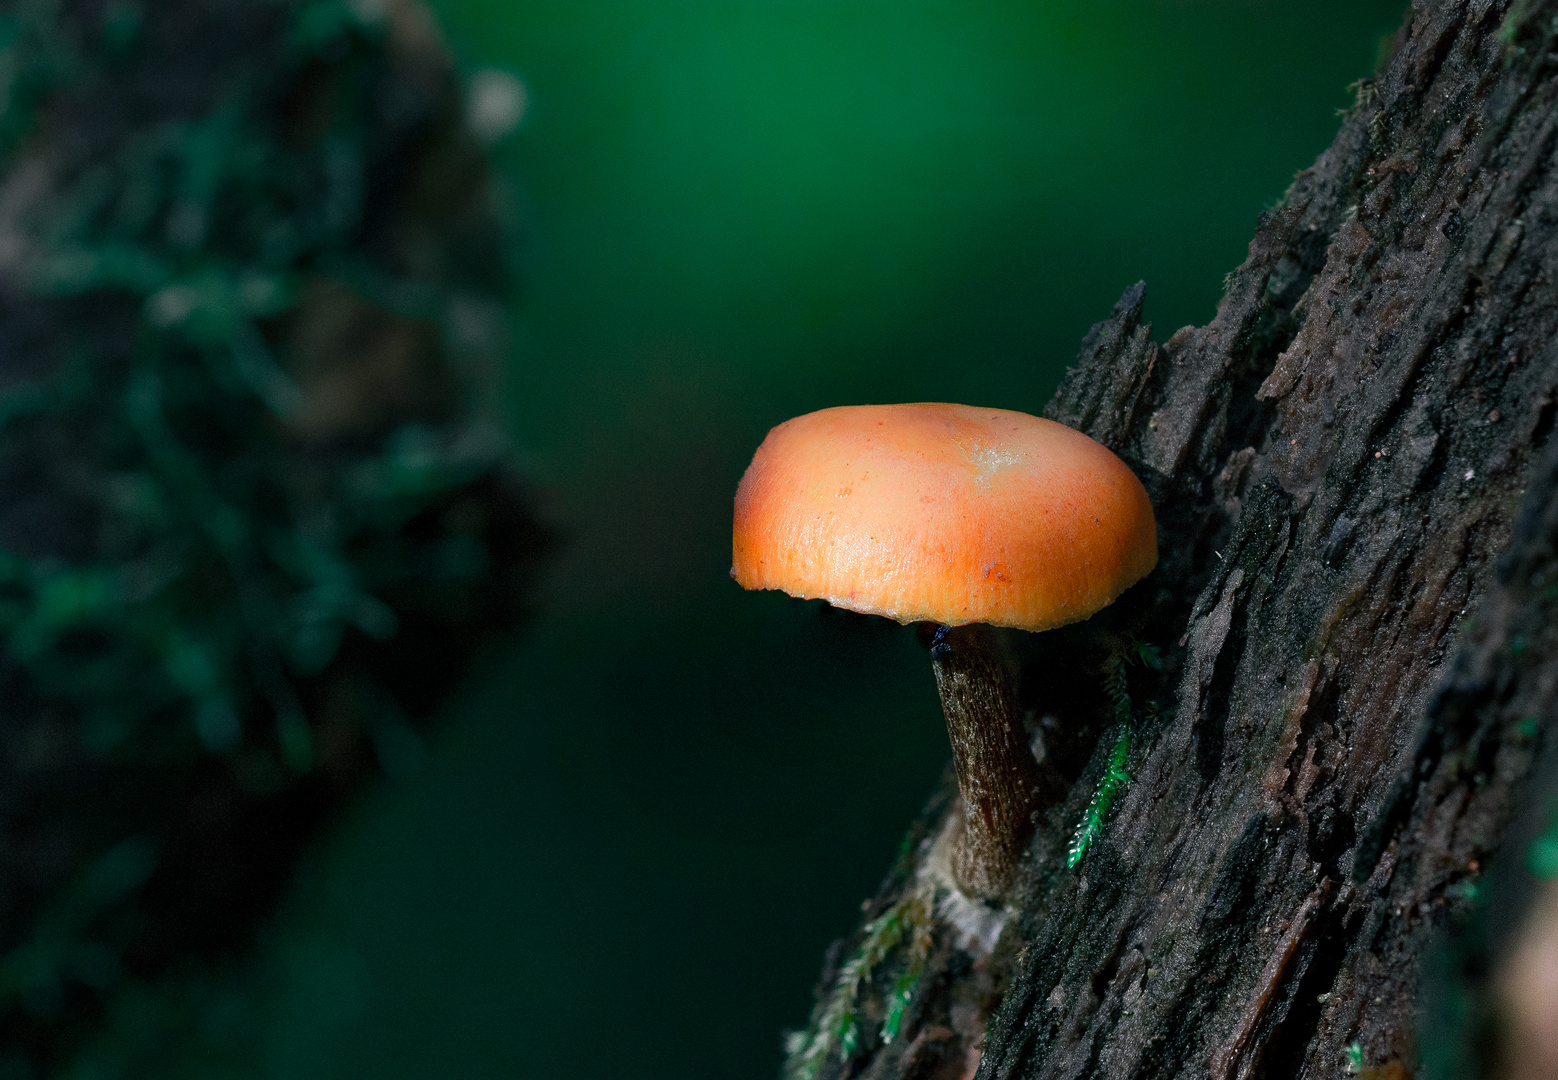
642, 823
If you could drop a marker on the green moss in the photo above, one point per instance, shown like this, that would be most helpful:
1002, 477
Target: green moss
902, 935
233, 563
1116, 684
208, 582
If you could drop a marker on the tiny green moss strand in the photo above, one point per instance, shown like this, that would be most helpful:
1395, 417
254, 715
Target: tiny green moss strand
1117, 688
836, 1027
908, 980
849, 1037
1091, 826
898, 1002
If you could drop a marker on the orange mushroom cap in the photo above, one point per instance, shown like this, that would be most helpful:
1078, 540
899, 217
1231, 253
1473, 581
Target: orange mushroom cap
942, 513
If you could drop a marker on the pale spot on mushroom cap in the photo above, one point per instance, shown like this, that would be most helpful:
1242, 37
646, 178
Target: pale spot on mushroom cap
989, 460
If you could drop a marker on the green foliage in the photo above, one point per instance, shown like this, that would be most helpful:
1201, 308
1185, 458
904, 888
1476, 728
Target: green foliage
33, 61
59, 951
1354, 1058
905, 927
203, 573
1091, 827
1117, 687
231, 563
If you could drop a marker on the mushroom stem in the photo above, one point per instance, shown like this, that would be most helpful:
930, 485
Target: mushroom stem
996, 770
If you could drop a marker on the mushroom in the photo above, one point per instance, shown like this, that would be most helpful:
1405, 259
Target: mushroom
956, 516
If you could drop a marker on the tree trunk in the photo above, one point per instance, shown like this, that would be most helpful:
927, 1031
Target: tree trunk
250, 265
1358, 521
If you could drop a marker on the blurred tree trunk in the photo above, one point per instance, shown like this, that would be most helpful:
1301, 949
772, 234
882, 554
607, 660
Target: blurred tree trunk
1358, 513
253, 272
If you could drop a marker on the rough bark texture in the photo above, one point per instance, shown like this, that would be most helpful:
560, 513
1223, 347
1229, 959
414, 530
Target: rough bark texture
1359, 668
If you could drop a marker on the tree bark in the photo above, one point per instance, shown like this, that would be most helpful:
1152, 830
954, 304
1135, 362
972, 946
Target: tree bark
1358, 513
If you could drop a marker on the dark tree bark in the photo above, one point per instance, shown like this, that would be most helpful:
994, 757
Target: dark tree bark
1358, 521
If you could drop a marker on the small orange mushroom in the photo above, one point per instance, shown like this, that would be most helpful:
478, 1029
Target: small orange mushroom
951, 515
